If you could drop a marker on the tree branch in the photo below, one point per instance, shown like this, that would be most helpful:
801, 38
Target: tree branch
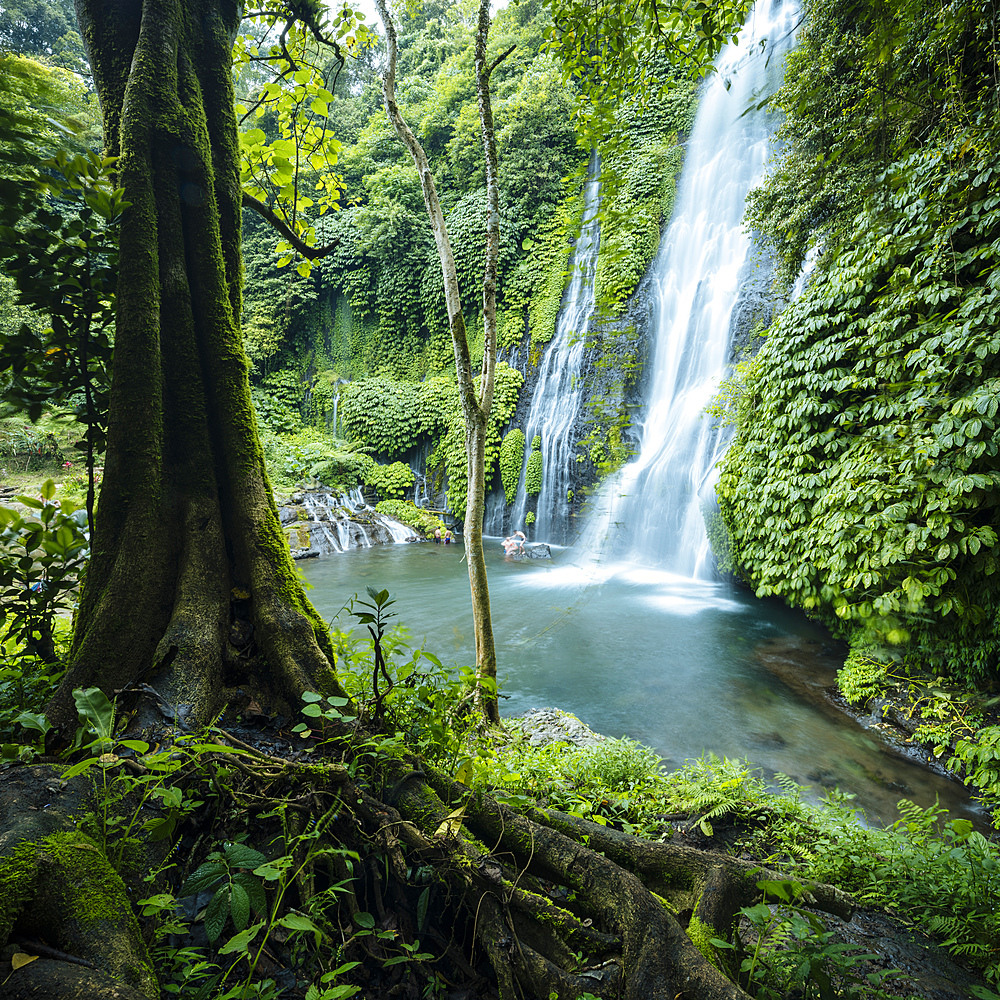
310, 253
499, 59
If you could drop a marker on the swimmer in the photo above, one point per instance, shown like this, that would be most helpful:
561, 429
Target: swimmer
437, 536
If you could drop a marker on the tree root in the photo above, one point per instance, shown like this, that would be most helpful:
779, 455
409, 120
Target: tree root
552, 904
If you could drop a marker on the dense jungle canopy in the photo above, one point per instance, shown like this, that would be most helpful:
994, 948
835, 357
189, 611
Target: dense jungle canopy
227, 282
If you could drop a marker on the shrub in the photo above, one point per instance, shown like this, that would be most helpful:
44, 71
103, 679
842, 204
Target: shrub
533, 474
511, 459
390, 481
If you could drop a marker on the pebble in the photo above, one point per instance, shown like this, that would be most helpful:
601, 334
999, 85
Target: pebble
552, 725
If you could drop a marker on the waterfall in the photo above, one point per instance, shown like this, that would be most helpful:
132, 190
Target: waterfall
555, 403
652, 512
321, 522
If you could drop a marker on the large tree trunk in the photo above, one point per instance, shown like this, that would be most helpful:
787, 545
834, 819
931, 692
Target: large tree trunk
188, 551
475, 408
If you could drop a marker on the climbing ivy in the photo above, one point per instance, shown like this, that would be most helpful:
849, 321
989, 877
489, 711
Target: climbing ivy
390, 481
638, 187
863, 482
533, 291
533, 474
448, 458
391, 416
511, 460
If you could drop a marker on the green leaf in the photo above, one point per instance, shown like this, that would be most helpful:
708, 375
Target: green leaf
239, 942
241, 856
254, 889
93, 706
297, 922
203, 877
239, 905
216, 914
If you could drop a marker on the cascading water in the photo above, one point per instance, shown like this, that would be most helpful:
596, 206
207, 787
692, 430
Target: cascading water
336, 522
652, 513
556, 399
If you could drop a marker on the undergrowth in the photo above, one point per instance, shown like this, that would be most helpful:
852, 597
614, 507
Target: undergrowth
931, 872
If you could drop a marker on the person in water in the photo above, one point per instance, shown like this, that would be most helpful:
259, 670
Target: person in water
437, 536
521, 539
510, 546
448, 537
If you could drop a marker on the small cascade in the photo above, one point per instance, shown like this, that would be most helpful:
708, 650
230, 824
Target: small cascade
335, 416
652, 514
321, 522
555, 403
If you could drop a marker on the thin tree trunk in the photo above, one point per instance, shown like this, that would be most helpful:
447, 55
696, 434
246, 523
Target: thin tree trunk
475, 409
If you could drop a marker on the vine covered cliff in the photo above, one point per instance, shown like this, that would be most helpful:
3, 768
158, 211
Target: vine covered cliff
863, 482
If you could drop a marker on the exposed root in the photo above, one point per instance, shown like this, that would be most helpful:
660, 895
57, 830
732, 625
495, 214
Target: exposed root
536, 904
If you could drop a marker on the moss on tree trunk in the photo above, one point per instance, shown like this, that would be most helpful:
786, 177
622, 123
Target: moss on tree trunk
187, 538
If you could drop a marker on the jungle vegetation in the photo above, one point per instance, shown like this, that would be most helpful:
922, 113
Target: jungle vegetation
390, 841
863, 482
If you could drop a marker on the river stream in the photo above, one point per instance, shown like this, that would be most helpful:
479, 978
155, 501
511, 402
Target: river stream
684, 666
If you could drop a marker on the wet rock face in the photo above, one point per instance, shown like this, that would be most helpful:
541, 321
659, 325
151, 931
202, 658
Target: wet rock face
755, 304
320, 522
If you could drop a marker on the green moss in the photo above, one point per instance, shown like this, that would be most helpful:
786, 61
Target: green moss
78, 900
702, 934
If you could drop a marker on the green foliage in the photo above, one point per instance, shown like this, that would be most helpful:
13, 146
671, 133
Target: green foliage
979, 758
534, 288
862, 677
238, 894
862, 481
423, 521
938, 875
873, 401
300, 153
309, 454
393, 417
26, 683
235, 892
864, 86
616, 52
533, 474
44, 28
65, 265
449, 455
794, 953
40, 561
390, 481
511, 460
384, 263
638, 185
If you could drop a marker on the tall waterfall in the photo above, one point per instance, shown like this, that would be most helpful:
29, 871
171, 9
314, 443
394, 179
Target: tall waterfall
556, 399
652, 512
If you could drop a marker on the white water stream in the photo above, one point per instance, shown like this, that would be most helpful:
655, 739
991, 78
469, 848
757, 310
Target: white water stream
556, 400
651, 514
336, 522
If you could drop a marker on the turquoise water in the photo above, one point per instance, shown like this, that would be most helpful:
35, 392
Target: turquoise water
678, 664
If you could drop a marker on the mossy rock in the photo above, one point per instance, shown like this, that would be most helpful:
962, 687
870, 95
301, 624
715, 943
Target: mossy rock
56, 884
